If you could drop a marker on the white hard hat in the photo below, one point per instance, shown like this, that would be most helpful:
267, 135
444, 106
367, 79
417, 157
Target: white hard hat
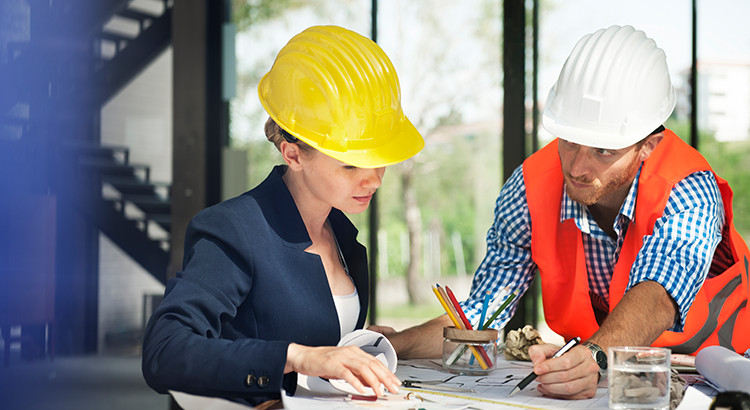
613, 91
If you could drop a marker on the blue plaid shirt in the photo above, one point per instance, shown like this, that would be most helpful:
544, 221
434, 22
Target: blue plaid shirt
678, 255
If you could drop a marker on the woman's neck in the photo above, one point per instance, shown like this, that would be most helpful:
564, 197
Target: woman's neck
314, 212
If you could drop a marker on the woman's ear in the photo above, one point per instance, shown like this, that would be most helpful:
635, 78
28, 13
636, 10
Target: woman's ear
291, 154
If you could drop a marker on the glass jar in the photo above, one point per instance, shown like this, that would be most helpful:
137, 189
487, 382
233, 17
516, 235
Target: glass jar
469, 351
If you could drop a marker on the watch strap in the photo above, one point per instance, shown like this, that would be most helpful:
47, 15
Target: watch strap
596, 353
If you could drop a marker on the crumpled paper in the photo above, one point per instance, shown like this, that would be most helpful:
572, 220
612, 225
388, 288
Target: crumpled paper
517, 343
677, 390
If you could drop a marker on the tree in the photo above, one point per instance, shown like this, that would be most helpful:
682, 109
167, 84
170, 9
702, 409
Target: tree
440, 82
447, 58
248, 13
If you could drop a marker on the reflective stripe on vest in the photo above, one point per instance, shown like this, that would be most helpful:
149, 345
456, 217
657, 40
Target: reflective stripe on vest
719, 314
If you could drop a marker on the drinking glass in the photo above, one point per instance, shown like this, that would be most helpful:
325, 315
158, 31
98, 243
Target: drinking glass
638, 378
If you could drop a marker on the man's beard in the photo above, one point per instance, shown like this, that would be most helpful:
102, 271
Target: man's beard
600, 191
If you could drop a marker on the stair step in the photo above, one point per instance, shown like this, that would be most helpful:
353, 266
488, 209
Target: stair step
164, 220
129, 235
114, 37
99, 151
111, 167
135, 15
160, 218
130, 186
150, 204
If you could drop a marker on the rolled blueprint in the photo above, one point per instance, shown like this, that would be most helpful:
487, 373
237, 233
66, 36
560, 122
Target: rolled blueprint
724, 368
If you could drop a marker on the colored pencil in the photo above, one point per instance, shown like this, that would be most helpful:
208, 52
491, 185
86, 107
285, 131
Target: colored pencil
499, 310
461, 314
482, 316
456, 322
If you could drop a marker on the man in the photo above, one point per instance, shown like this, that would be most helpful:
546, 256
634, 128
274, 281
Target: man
630, 229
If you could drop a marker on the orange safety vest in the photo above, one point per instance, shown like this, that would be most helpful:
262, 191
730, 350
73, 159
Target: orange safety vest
719, 315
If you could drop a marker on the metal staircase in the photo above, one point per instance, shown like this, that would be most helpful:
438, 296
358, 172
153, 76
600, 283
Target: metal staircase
124, 203
135, 33
76, 68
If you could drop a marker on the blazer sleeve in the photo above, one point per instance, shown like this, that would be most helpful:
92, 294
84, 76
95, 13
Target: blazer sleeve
182, 348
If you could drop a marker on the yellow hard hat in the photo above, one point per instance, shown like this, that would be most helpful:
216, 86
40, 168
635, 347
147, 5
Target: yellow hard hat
338, 92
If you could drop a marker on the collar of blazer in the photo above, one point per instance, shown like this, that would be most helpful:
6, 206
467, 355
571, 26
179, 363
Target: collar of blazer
276, 203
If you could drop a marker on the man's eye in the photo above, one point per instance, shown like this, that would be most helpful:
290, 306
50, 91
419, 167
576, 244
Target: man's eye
604, 152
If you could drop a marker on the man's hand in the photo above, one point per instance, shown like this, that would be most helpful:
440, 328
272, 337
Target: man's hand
423, 341
571, 376
642, 315
381, 329
350, 363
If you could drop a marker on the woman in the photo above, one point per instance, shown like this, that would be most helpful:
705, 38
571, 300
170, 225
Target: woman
273, 278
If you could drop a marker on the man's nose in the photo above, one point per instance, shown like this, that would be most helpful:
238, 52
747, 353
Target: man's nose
579, 164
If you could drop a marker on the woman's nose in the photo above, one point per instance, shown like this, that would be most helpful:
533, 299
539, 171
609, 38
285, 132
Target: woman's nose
373, 177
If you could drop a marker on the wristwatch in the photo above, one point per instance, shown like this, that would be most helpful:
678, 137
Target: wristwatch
600, 357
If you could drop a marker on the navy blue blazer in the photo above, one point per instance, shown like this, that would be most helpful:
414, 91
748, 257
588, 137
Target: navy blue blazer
247, 290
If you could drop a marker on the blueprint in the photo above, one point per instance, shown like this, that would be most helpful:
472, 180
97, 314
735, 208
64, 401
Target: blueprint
491, 391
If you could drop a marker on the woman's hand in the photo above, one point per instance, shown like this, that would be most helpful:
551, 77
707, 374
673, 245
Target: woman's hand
350, 363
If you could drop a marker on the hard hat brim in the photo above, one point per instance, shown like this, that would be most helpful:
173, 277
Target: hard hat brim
402, 147
606, 138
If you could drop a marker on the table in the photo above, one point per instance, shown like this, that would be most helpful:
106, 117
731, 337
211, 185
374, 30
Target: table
490, 393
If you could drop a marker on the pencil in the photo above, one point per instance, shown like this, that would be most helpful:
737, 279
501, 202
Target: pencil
482, 316
499, 310
494, 316
467, 324
457, 323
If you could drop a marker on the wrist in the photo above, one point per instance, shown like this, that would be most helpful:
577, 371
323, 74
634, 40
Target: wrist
600, 357
292, 351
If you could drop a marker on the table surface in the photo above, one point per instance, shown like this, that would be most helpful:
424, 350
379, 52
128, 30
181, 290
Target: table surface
490, 392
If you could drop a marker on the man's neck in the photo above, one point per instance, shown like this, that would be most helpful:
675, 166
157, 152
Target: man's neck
605, 211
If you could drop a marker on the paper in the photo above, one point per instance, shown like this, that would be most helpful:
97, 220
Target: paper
724, 368
492, 390
370, 342
193, 402
694, 400
388, 401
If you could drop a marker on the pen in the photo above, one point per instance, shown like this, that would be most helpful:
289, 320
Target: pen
525, 382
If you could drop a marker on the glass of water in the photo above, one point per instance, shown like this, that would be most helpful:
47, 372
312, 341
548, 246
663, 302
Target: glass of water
638, 377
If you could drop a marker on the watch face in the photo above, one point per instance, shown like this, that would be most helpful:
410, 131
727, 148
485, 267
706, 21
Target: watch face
601, 359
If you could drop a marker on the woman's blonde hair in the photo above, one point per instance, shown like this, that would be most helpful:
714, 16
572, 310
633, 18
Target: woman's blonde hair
274, 133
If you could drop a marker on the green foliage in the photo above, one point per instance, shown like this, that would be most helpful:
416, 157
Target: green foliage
247, 13
262, 155
446, 192
731, 161
421, 312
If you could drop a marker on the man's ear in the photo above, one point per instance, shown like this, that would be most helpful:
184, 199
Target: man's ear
648, 147
291, 154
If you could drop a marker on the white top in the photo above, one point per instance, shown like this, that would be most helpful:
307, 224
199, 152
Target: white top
347, 307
